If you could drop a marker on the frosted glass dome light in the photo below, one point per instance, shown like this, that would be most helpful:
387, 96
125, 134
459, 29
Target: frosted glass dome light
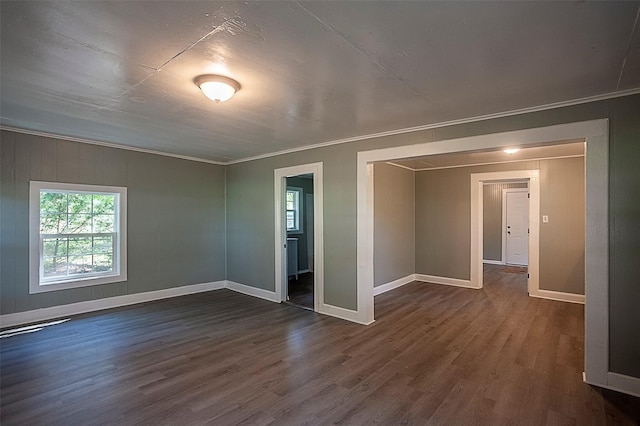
218, 88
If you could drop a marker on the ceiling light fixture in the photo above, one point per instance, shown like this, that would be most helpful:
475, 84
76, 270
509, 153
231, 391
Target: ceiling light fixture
218, 88
511, 150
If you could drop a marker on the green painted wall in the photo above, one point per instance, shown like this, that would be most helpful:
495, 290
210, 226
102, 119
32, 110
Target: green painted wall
175, 216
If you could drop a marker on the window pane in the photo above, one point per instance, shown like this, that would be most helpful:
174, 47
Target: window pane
103, 244
80, 264
104, 204
53, 202
102, 262
53, 223
80, 203
55, 247
79, 224
102, 223
291, 220
79, 246
54, 266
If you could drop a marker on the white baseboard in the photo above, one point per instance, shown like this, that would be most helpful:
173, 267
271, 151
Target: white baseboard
383, 288
252, 291
304, 271
493, 262
342, 313
558, 295
622, 383
18, 318
444, 280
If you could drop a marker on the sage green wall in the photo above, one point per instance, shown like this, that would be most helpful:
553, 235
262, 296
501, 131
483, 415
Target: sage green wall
492, 219
307, 188
175, 216
250, 211
443, 226
394, 223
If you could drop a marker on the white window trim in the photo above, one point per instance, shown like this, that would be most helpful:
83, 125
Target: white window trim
34, 238
300, 192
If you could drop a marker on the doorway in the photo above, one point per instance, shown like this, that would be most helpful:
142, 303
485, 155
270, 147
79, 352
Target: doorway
299, 224
298, 235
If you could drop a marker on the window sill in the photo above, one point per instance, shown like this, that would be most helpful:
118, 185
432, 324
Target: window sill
37, 287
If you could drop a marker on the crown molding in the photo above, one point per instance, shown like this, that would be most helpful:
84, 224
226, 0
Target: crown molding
108, 144
579, 101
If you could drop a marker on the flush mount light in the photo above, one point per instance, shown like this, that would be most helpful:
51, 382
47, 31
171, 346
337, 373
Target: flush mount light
218, 88
511, 150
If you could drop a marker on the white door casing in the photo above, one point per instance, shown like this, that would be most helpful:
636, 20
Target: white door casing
515, 214
595, 133
310, 225
280, 188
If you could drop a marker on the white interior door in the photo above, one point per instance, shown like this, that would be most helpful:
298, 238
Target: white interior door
517, 227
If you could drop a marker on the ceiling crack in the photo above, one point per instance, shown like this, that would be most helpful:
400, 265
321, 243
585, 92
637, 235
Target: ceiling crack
626, 55
378, 63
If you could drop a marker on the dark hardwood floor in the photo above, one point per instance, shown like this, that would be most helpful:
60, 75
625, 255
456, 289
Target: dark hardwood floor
435, 355
301, 290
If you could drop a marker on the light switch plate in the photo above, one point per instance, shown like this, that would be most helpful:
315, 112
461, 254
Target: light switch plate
545, 218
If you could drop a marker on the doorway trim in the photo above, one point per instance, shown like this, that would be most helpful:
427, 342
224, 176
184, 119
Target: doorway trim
477, 182
595, 133
503, 228
280, 188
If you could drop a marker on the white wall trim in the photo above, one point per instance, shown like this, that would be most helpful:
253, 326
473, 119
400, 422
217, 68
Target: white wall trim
493, 262
544, 107
252, 291
342, 313
383, 288
522, 160
558, 295
10, 320
596, 135
280, 229
442, 124
623, 383
108, 145
433, 279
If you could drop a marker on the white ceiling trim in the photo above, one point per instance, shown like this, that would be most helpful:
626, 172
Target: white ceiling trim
108, 144
545, 107
428, 169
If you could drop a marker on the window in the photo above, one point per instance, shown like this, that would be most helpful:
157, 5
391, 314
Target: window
77, 235
294, 208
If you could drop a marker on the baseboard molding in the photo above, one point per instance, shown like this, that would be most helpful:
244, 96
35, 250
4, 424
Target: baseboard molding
559, 296
623, 383
19, 318
304, 271
493, 262
252, 291
383, 288
444, 280
342, 313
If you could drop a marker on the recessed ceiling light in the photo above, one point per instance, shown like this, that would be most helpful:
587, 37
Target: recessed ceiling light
218, 88
511, 150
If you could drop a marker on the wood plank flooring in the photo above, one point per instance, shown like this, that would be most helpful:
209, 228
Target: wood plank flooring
436, 355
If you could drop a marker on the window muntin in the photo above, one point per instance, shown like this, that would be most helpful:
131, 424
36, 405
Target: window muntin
293, 209
77, 235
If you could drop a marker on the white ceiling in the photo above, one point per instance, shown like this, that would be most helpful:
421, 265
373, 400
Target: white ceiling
562, 149
311, 72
